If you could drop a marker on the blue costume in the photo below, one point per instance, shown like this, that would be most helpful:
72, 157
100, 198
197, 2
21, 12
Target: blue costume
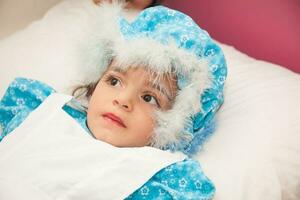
182, 180
163, 40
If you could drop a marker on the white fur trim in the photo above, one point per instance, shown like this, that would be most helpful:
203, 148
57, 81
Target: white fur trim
171, 123
107, 42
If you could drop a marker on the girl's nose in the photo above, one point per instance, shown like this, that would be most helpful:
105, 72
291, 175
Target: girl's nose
124, 102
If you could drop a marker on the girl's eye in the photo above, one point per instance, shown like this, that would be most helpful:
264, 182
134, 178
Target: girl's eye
111, 80
114, 81
150, 99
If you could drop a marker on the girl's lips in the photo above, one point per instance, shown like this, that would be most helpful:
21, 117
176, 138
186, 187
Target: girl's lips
115, 119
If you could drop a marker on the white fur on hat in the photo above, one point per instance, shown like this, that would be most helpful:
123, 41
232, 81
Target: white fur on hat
107, 42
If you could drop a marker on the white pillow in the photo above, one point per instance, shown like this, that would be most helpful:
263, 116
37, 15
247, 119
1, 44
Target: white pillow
254, 153
47, 50
255, 150
15, 15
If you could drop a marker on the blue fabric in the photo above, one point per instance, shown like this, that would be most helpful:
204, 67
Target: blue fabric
165, 25
182, 180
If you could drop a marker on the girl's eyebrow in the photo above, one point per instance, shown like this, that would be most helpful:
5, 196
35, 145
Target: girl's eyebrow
161, 88
116, 69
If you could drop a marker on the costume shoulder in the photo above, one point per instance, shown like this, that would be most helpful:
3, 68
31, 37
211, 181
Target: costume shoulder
182, 180
21, 97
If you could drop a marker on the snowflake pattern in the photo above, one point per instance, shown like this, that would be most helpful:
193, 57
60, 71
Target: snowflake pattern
182, 180
182, 183
173, 182
163, 24
144, 191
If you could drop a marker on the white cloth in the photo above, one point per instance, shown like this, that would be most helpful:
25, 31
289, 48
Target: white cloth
50, 156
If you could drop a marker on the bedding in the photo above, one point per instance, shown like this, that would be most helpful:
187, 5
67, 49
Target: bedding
75, 160
24, 97
254, 153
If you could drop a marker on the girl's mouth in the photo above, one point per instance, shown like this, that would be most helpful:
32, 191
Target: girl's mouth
114, 119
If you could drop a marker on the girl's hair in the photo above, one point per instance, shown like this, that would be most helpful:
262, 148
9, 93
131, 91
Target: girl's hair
85, 90
155, 3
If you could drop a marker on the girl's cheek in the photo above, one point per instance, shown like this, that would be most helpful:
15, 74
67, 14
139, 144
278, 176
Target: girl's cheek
146, 106
148, 111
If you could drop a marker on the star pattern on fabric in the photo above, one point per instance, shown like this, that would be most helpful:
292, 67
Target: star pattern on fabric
182, 180
159, 23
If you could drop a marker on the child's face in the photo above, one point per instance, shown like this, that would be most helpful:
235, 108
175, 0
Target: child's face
121, 109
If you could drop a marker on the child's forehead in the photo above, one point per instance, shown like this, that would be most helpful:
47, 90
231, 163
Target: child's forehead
141, 72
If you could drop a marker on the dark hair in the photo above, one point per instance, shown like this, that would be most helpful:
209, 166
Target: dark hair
84, 90
155, 3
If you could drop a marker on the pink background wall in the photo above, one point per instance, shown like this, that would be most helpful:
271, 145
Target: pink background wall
264, 29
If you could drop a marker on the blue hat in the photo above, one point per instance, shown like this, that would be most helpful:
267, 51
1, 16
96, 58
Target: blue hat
167, 40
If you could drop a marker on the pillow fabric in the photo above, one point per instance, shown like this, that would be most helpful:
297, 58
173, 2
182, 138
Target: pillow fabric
254, 153
15, 15
257, 142
48, 49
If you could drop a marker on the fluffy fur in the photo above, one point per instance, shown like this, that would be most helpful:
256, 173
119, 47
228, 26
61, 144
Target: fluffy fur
107, 42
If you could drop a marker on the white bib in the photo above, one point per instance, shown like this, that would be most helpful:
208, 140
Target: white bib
50, 156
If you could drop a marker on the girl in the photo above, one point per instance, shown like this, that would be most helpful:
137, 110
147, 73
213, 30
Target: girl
158, 82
